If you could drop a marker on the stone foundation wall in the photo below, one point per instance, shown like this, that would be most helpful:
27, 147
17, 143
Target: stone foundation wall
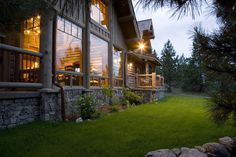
19, 108
24, 107
225, 147
72, 94
151, 95
50, 105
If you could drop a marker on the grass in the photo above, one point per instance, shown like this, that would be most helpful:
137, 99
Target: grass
175, 121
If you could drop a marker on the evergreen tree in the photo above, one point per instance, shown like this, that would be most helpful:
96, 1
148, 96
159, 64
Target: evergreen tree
180, 66
217, 51
168, 64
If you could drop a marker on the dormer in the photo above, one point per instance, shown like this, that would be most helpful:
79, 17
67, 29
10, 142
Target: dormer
146, 29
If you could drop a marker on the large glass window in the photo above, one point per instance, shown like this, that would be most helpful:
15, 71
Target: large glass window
68, 50
29, 65
98, 61
99, 12
117, 67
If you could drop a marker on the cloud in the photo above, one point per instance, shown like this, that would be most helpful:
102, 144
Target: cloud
177, 31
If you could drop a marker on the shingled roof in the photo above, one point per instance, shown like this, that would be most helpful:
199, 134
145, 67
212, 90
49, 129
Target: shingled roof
146, 28
149, 57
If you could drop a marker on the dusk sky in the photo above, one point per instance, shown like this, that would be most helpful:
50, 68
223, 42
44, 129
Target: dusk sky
178, 31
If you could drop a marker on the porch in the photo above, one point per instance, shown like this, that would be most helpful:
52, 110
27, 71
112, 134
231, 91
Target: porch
149, 81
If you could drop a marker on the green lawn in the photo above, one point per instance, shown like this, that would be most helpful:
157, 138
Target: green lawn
173, 122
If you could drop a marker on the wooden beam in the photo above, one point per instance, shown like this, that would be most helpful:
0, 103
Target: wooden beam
110, 46
46, 47
20, 85
129, 41
126, 18
9, 48
86, 46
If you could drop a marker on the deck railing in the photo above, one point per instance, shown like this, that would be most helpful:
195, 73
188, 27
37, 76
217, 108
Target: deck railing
21, 69
149, 80
69, 78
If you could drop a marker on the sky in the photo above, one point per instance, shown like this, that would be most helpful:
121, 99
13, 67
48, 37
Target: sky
177, 31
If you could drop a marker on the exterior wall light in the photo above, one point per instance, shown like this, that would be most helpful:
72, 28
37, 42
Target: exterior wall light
141, 46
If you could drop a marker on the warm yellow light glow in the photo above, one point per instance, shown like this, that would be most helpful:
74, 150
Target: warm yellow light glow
38, 17
130, 65
141, 46
27, 31
36, 65
38, 31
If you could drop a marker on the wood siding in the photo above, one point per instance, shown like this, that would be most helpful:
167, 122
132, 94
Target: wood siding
73, 9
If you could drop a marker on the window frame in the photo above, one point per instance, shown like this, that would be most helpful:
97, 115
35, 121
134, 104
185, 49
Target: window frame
104, 10
118, 78
70, 74
99, 78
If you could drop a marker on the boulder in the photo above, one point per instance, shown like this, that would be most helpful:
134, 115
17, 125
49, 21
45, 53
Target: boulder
176, 151
229, 143
186, 152
79, 120
161, 153
200, 148
216, 150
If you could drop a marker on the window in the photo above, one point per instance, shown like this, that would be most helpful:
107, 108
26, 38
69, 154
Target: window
117, 67
99, 12
98, 61
29, 65
68, 51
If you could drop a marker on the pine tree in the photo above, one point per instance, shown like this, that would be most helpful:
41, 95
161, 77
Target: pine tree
168, 64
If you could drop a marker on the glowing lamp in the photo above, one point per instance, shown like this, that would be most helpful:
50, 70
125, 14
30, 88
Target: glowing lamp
141, 46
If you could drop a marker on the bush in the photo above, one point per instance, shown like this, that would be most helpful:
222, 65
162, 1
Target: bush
107, 91
86, 105
131, 97
114, 109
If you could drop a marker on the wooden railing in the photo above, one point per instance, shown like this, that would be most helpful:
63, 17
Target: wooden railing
149, 80
69, 78
20, 68
99, 81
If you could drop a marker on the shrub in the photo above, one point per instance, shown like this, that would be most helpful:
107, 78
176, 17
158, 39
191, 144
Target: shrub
131, 97
107, 91
114, 109
86, 105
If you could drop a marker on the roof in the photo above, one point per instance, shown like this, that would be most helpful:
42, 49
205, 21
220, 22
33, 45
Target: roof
127, 19
146, 28
149, 57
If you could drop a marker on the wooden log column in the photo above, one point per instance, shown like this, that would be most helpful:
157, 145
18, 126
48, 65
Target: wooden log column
146, 68
110, 46
46, 47
86, 46
125, 76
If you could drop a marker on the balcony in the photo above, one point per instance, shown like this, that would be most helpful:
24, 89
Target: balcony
149, 81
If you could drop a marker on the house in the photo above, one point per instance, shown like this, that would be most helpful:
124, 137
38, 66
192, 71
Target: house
70, 48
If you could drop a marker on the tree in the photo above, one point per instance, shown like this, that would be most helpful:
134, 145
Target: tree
217, 51
168, 64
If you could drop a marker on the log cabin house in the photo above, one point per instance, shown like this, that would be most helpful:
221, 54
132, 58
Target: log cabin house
74, 47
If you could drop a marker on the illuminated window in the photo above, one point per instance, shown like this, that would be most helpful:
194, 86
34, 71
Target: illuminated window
98, 61
117, 67
68, 50
29, 65
99, 12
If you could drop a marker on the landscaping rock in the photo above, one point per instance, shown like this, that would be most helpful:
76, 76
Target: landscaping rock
161, 153
186, 152
200, 148
79, 120
176, 151
229, 143
216, 150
